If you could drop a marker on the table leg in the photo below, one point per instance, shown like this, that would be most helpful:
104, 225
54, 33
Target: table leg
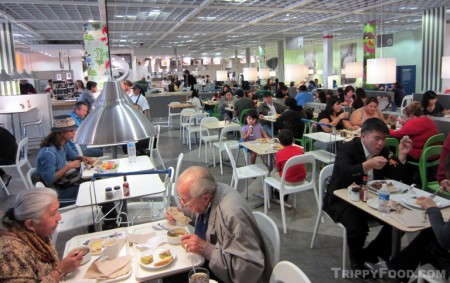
396, 241
20, 125
13, 126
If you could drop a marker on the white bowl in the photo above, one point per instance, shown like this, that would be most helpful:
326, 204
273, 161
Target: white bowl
86, 254
175, 234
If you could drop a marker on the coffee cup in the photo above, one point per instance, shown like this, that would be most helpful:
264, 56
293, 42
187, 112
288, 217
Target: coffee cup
111, 248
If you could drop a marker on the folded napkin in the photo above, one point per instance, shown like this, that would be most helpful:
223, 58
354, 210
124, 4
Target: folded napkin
109, 269
141, 236
410, 218
153, 242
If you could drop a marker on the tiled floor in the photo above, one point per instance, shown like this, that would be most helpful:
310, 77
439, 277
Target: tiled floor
317, 263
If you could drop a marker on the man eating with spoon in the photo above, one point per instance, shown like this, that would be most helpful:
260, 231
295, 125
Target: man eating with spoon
226, 233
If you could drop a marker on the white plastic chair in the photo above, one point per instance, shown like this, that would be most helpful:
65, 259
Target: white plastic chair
325, 173
232, 144
184, 121
193, 126
37, 123
289, 189
207, 136
245, 172
21, 160
155, 148
172, 114
287, 272
407, 100
177, 173
270, 229
72, 216
428, 273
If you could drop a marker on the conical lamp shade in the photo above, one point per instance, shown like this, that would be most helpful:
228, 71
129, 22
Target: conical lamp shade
26, 75
114, 120
16, 74
33, 76
4, 77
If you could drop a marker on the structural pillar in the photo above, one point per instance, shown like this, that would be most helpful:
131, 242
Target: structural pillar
7, 59
247, 58
280, 66
327, 58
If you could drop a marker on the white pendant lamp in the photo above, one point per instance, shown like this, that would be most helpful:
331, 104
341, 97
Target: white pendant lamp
295, 72
250, 74
264, 73
222, 75
381, 71
354, 70
445, 72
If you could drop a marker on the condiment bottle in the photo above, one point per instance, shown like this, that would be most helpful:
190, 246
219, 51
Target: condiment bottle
364, 190
126, 187
355, 193
109, 193
117, 192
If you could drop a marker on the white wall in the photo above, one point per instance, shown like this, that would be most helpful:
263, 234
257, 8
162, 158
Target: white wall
42, 62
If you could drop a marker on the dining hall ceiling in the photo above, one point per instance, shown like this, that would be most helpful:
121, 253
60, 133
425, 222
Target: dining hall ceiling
205, 27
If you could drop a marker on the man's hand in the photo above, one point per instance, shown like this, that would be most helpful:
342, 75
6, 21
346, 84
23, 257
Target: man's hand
404, 147
425, 202
169, 217
446, 184
193, 243
261, 116
377, 162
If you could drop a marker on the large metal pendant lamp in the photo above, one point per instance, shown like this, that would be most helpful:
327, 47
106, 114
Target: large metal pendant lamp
114, 120
4, 77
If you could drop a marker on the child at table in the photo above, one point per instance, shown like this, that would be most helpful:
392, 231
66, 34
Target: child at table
252, 131
296, 175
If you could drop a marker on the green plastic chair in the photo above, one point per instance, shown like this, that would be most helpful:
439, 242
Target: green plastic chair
424, 163
216, 112
241, 117
439, 138
392, 142
307, 143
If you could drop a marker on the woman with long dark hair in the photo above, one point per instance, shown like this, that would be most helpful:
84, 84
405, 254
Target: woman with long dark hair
431, 106
335, 116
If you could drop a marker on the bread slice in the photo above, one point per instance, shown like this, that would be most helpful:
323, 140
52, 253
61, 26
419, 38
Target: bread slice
165, 261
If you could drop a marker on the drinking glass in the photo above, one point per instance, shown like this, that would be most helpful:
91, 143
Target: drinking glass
199, 275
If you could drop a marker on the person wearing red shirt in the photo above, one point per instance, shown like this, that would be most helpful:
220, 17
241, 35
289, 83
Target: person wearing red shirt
296, 175
419, 128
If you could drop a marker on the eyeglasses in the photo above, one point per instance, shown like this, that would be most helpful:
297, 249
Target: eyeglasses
183, 203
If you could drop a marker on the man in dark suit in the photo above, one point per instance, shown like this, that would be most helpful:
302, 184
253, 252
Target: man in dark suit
365, 155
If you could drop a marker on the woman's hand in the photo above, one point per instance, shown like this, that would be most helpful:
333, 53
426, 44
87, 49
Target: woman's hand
343, 115
88, 160
425, 202
71, 262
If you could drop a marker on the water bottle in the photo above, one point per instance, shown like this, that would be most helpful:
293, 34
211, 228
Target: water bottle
383, 200
252, 134
131, 152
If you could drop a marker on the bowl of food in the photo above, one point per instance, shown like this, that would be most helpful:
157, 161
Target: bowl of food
86, 252
174, 235
107, 167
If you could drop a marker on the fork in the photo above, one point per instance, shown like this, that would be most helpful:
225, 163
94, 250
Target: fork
435, 193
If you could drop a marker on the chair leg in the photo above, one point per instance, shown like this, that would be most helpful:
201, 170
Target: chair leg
316, 228
283, 213
266, 188
4, 187
23, 177
214, 156
42, 131
220, 160
344, 252
160, 159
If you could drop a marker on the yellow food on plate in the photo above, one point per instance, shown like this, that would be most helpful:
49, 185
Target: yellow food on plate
261, 140
147, 259
165, 261
165, 254
277, 146
109, 165
96, 246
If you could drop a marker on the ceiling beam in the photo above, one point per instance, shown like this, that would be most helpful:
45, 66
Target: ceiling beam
25, 27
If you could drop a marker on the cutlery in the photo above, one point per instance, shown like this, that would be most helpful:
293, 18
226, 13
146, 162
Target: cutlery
411, 188
162, 226
435, 193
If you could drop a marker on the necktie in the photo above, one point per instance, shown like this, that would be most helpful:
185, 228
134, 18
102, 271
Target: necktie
201, 226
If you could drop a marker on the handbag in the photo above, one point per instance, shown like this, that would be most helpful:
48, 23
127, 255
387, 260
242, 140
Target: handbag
69, 180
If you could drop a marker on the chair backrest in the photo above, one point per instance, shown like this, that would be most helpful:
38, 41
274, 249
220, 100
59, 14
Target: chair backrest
407, 100
325, 173
300, 159
22, 151
197, 116
270, 229
243, 116
177, 173
151, 144
206, 120
392, 142
233, 163
29, 177
40, 185
168, 181
287, 272
229, 129
424, 163
435, 140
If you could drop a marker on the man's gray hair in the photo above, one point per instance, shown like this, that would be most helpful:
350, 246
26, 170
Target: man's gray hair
33, 203
204, 183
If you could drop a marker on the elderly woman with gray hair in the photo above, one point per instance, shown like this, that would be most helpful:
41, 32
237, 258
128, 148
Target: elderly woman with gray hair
26, 251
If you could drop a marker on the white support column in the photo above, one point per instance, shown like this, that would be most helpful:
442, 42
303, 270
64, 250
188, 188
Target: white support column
327, 58
7, 59
280, 74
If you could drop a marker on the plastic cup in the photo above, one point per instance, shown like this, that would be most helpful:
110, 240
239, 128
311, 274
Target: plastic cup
199, 275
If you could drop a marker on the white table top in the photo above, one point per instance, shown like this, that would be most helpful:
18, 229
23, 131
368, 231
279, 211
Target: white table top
181, 264
142, 163
140, 185
324, 137
15, 110
218, 125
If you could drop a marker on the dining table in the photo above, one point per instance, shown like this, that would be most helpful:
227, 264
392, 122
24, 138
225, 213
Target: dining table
13, 111
181, 106
134, 242
142, 163
327, 138
410, 218
272, 120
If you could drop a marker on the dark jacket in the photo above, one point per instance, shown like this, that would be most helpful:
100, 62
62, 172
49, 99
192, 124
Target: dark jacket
348, 169
292, 120
264, 109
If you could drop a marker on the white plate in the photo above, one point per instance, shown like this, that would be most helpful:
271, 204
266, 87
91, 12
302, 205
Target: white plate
410, 202
373, 203
398, 186
155, 254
